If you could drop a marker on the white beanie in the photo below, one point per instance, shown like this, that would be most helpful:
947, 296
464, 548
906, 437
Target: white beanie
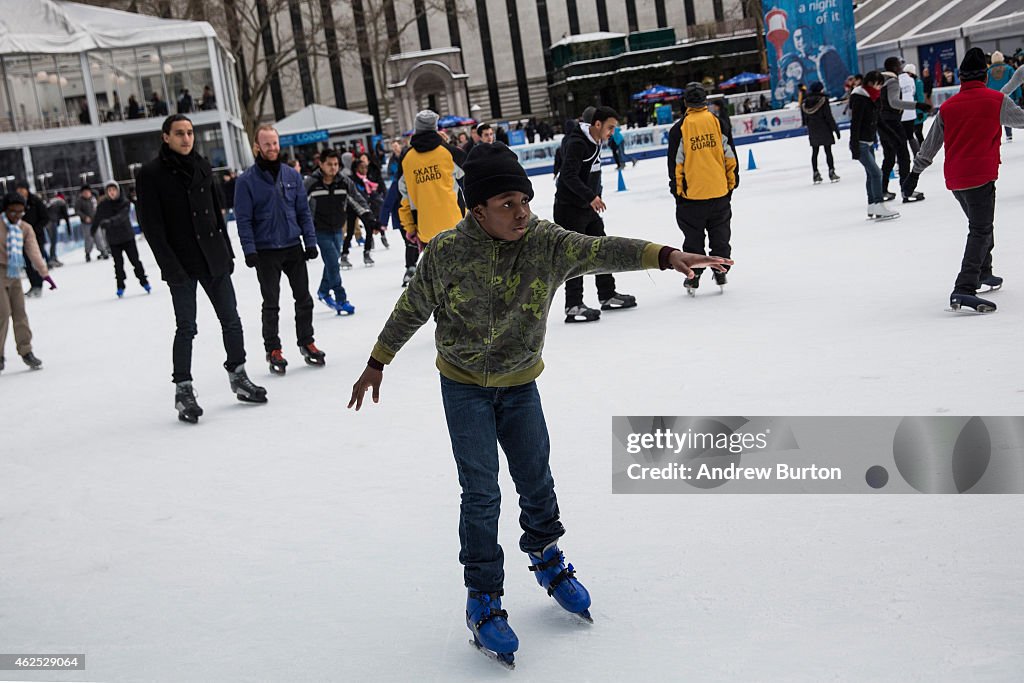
997, 57
910, 69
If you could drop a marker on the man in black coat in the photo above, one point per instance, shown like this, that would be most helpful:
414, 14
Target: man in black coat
181, 217
577, 208
37, 216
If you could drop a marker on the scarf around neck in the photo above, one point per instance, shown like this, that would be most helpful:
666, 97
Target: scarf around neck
15, 249
370, 186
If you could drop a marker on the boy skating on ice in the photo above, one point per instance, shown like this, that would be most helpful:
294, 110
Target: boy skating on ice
489, 284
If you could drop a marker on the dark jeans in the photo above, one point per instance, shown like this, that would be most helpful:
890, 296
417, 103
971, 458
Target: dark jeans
350, 230
330, 250
292, 262
588, 222
119, 251
480, 418
894, 151
979, 204
828, 157
222, 295
697, 217
871, 170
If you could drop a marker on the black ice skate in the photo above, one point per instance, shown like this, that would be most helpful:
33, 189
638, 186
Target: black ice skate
993, 282
617, 301
832, 175
367, 259
185, 403
344, 262
384, 240
32, 362
888, 196
958, 301
407, 278
721, 280
581, 314
817, 178
692, 283
313, 355
243, 387
913, 197
278, 364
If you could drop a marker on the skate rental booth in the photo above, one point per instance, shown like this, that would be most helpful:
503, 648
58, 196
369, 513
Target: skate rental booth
84, 91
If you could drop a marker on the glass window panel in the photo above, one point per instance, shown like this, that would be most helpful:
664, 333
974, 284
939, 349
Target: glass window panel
210, 143
124, 77
104, 84
21, 87
66, 163
199, 80
72, 89
12, 167
7, 123
126, 150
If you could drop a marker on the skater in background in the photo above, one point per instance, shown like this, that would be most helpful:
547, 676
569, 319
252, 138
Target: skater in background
891, 133
57, 211
821, 126
967, 125
703, 173
908, 93
38, 217
372, 191
113, 215
275, 228
578, 208
919, 96
389, 214
85, 207
864, 106
1000, 74
181, 216
331, 195
352, 214
488, 374
18, 246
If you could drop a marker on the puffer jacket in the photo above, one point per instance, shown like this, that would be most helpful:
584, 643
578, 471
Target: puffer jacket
490, 298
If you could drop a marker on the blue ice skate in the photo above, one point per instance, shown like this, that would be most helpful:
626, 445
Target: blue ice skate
489, 623
561, 582
344, 308
327, 299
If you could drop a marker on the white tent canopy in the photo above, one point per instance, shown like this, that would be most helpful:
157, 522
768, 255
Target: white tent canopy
59, 27
318, 117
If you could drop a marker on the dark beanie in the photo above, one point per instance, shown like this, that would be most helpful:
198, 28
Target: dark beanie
975, 66
817, 87
13, 198
695, 95
492, 169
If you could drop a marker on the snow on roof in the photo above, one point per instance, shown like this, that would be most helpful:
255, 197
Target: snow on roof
60, 27
588, 38
320, 117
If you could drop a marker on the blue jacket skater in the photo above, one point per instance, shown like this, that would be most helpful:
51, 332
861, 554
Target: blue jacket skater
272, 214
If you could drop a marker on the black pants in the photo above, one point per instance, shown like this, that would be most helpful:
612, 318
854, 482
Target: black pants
588, 222
119, 251
291, 262
828, 157
894, 151
908, 133
697, 217
350, 230
412, 252
222, 295
979, 204
35, 280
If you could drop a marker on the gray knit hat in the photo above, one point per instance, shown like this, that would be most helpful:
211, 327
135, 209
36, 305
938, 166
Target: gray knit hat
426, 120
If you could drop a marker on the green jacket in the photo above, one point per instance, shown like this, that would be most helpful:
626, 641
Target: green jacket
490, 298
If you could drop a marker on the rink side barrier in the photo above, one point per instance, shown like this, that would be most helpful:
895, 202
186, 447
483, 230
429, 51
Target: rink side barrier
652, 142
868, 454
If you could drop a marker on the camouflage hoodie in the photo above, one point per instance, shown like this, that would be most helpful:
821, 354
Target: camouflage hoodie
490, 298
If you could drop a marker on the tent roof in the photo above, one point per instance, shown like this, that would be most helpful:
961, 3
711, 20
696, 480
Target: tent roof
319, 117
882, 22
60, 27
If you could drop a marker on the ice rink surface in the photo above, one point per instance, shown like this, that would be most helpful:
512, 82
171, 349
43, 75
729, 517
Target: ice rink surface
299, 541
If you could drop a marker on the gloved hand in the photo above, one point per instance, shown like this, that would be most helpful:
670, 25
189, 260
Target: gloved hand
838, 136
855, 151
251, 260
910, 184
370, 222
53, 285
923, 106
311, 253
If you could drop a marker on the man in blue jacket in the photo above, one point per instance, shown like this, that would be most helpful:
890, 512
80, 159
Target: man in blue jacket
274, 222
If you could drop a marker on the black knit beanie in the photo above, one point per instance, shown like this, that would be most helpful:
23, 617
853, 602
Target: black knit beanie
975, 66
695, 95
492, 169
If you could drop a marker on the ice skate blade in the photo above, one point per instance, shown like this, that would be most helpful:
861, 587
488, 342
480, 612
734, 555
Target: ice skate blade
314, 361
605, 307
963, 308
991, 289
584, 616
246, 398
691, 292
191, 419
506, 659
277, 370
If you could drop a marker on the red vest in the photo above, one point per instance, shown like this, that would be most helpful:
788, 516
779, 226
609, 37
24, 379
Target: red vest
971, 135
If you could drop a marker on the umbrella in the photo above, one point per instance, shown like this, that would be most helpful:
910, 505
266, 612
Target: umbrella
745, 78
454, 121
658, 93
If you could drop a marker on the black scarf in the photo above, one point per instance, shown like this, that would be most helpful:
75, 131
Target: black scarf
271, 167
183, 163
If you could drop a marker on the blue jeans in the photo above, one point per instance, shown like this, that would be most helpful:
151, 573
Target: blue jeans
330, 251
480, 418
874, 174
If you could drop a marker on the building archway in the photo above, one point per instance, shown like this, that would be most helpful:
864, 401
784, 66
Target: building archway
428, 79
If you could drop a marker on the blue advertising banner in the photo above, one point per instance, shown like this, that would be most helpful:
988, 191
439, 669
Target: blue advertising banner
299, 139
814, 40
940, 60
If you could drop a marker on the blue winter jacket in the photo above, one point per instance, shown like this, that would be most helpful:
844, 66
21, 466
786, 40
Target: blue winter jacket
272, 214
